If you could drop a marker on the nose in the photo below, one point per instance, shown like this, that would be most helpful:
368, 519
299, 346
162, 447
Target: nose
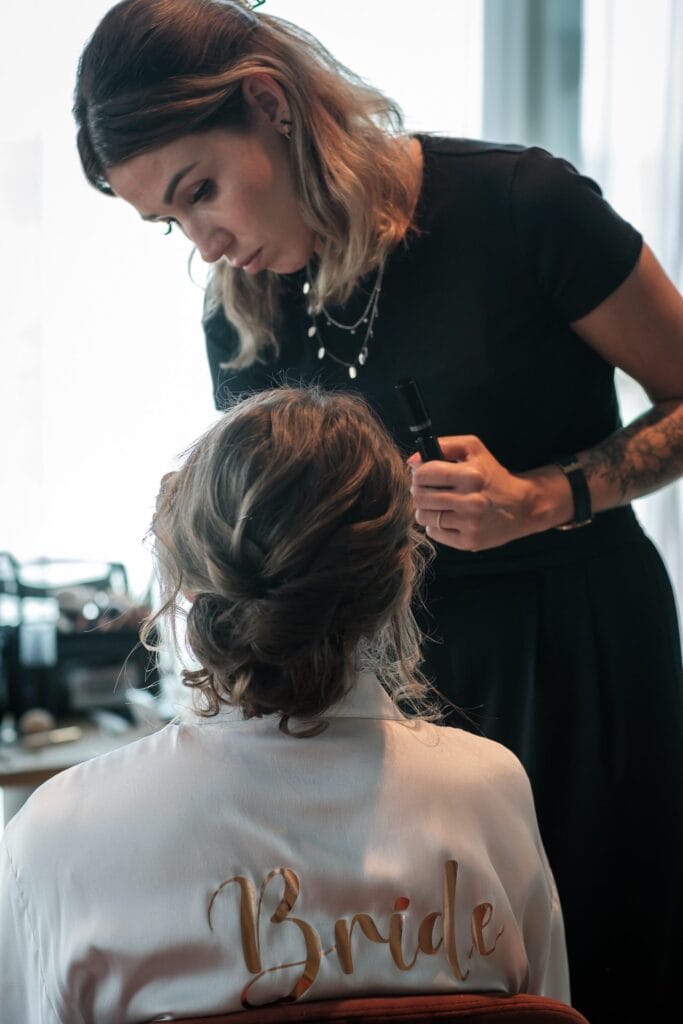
211, 243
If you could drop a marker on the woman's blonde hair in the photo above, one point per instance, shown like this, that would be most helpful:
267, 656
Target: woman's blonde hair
155, 70
289, 527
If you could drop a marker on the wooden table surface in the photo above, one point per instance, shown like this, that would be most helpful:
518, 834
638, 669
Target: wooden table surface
24, 767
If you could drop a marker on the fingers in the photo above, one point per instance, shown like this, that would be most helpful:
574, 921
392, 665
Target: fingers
454, 512
454, 449
452, 496
437, 529
460, 447
462, 524
461, 477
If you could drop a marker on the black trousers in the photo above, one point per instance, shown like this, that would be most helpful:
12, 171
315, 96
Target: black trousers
576, 666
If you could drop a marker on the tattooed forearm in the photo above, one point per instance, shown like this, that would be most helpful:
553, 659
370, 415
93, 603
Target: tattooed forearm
641, 457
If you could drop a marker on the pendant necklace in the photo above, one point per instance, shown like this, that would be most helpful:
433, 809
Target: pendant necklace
365, 320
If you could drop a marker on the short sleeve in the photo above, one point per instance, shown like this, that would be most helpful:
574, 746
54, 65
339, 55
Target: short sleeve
24, 996
575, 247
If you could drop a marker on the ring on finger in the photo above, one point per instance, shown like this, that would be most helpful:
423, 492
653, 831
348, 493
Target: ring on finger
438, 519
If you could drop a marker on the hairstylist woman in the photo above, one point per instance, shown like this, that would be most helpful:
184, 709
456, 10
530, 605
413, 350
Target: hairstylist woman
348, 252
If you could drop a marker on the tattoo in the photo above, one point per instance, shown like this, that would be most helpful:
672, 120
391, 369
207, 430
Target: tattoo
643, 456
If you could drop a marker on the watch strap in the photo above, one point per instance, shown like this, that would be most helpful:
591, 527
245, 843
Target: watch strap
583, 510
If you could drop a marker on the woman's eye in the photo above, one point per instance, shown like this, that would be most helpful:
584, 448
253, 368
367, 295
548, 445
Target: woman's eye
203, 191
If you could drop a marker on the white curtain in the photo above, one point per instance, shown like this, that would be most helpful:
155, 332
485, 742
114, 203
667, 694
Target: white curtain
103, 376
632, 142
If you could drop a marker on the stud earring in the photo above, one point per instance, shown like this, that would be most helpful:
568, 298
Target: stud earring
286, 128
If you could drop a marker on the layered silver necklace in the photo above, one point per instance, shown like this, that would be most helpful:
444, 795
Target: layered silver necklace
365, 320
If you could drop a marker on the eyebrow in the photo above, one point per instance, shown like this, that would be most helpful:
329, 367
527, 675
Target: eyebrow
171, 187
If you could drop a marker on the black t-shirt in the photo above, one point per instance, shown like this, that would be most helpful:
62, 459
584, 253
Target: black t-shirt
512, 246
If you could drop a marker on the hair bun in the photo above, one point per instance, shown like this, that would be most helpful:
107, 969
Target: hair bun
327, 564
211, 612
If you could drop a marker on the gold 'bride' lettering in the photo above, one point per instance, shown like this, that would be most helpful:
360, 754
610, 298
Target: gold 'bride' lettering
250, 916
481, 916
251, 938
425, 935
343, 933
450, 945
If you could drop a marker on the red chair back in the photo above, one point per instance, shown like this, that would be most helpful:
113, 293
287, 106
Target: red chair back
419, 1009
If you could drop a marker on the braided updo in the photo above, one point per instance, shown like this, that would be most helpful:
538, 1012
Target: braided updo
289, 528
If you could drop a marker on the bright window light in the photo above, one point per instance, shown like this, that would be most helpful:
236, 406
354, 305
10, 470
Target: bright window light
103, 376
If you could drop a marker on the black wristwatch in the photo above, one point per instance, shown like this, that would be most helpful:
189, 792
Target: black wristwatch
583, 511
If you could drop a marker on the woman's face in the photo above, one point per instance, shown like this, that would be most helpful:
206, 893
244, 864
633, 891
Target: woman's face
231, 193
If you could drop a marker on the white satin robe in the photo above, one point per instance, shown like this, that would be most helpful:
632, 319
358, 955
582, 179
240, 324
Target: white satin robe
220, 863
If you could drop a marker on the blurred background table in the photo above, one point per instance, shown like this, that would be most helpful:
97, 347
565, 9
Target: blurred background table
23, 769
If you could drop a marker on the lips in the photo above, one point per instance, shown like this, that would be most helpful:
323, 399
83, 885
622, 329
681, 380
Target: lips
250, 263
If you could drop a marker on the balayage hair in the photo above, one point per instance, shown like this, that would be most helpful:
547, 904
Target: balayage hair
156, 70
290, 530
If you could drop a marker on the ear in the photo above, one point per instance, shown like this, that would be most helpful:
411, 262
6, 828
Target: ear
267, 101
